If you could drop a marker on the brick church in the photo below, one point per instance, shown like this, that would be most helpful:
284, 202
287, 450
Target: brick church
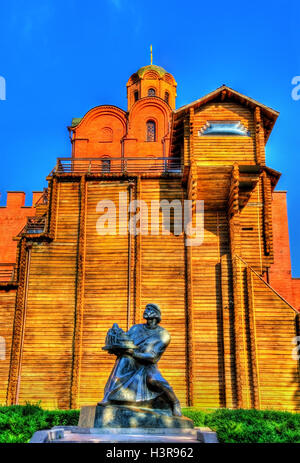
230, 304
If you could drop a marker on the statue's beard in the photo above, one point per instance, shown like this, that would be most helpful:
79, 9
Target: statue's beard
153, 324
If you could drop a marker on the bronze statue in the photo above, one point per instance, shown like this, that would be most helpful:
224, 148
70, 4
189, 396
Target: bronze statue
135, 378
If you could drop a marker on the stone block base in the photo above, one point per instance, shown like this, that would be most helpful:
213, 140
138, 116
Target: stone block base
75, 434
117, 416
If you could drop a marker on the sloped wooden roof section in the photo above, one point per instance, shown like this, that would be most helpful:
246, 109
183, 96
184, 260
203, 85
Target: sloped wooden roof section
225, 93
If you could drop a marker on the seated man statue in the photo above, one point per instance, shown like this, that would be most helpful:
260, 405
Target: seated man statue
135, 378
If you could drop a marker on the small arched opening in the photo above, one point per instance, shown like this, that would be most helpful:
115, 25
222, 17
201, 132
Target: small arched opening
151, 130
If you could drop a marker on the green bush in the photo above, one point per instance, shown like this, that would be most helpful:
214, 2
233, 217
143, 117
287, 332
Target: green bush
19, 422
249, 426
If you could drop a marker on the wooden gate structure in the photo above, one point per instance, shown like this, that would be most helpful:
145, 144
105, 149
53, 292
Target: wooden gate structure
233, 335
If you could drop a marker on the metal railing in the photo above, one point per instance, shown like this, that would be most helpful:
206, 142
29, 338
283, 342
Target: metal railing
105, 165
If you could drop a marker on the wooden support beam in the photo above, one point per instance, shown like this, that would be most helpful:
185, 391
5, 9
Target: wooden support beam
52, 207
190, 325
131, 260
188, 131
259, 137
223, 95
235, 248
186, 142
225, 331
191, 121
138, 264
267, 214
297, 323
253, 340
190, 328
79, 308
18, 327
16, 274
227, 307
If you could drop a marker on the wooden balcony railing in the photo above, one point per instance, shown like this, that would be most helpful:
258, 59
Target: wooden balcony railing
6, 272
43, 199
105, 165
34, 225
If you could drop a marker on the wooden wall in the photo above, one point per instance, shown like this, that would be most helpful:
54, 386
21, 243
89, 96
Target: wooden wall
223, 150
274, 331
270, 375
78, 287
105, 292
47, 371
252, 231
49, 324
7, 308
209, 386
162, 278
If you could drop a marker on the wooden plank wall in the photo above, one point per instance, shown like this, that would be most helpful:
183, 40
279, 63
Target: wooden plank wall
271, 376
227, 322
246, 370
7, 310
158, 274
49, 325
209, 387
163, 282
252, 230
274, 330
105, 295
224, 150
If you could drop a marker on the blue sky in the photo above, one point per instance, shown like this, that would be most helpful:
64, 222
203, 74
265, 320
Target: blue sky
59, 59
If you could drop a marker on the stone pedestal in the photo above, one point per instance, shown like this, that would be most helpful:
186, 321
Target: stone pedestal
75, 434
120, 424
118, 416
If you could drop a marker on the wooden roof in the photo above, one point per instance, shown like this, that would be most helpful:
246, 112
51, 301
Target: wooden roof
225, 93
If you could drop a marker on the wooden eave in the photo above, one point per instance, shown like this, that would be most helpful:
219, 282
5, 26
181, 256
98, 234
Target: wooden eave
213, 184
274, 176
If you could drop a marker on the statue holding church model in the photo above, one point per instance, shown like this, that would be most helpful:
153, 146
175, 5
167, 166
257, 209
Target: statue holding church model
135, 378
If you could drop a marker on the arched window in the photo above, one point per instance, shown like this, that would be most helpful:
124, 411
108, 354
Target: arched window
136, 95
151, 92
151, 131
106, 135
106, 165
167, 96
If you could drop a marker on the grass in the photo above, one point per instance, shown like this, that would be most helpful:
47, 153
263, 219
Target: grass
19, 422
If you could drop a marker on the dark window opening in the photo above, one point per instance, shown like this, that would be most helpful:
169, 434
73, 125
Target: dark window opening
167, 96
151, 131
105, 165
136, 96
151, 92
